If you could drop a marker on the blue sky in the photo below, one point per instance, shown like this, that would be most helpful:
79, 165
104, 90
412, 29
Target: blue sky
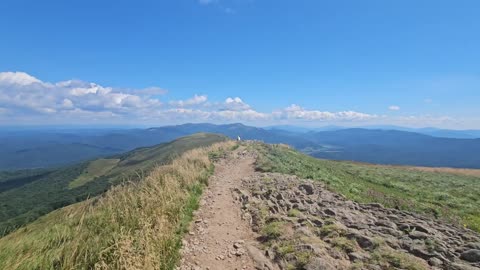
310, 63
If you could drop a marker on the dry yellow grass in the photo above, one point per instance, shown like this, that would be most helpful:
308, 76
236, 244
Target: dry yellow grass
468, 172
458, 171
133, 226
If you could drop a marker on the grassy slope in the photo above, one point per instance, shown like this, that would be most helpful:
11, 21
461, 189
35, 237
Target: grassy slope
450, 196
94, 169
24, 204
133, 226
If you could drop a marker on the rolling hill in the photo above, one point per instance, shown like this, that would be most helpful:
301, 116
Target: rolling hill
395, 147
28, 194
400, 217
46, 150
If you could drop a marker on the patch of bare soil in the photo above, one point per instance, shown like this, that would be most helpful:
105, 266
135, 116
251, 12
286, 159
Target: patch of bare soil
219, 239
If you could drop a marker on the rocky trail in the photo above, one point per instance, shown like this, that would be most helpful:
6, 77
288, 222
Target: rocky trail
252, 220
219, 239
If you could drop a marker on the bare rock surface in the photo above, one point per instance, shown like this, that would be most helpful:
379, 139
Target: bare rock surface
334, 233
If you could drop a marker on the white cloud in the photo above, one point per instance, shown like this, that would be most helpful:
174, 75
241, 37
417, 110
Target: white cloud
67, 103
25, 99
195, 100
296, 112
151, 91
394, 108
234, 104
17, 78
22, 93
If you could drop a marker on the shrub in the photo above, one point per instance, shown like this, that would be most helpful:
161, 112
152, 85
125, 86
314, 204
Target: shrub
294, 213
272, 230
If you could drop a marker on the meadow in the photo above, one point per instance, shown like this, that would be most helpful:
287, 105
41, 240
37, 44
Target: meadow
448, 194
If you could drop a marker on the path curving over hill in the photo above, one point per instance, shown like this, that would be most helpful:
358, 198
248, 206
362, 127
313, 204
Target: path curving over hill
219, 238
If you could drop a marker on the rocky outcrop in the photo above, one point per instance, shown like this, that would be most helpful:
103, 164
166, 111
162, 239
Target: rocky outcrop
304, 225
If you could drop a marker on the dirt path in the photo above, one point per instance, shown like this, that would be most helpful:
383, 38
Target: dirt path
219, 238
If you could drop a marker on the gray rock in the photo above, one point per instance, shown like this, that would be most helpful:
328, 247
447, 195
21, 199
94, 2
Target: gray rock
459, 266
357, 256
317, 222
374, 205
261, 262
319, 264
420, 252
358, 226
420, 228
306, 188
386, 223
329, 212
473, 245
436, 262
472, 255
404, 227
363, 241
418, 235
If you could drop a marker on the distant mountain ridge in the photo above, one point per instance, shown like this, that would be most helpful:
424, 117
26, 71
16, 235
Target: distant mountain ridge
434, 132
383, 146
397, 147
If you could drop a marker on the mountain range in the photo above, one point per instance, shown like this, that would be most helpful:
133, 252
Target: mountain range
27, 149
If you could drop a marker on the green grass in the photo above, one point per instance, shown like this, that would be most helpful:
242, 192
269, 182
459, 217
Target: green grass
452, 197
387, 258
273, 230
94, 170
294, 213
137, 225
344, 244
72, 184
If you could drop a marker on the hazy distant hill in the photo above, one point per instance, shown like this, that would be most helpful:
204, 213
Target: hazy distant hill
43, 149
37, 149
396, 147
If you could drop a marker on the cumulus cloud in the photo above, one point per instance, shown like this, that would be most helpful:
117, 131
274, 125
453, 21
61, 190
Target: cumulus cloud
235, 104
26, 99
296, 112
195, 100
394, 108
24, 93
17, 78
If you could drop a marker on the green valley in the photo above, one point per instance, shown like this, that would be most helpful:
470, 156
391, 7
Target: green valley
45, 191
